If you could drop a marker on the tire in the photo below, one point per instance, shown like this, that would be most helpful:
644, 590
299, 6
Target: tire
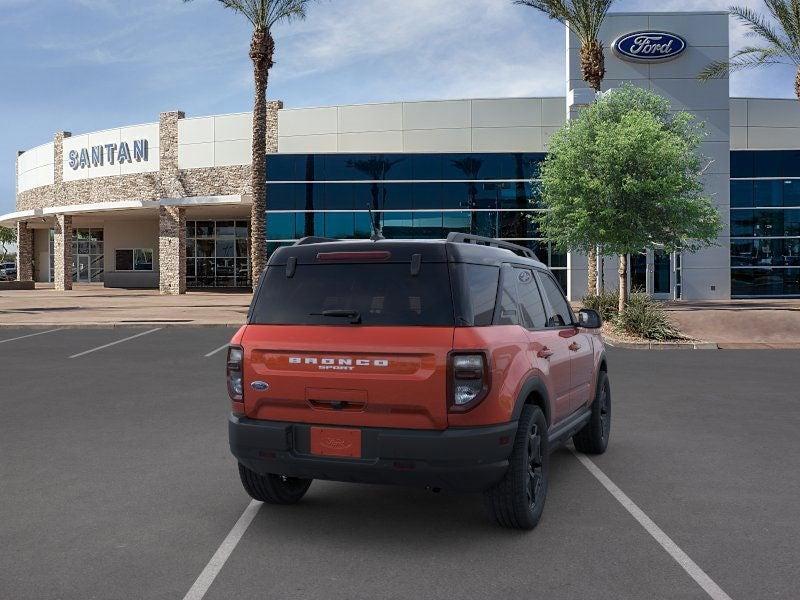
593, 438
273, 489
517, 501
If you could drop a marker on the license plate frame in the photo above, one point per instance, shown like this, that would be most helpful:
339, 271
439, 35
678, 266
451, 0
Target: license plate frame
340, 442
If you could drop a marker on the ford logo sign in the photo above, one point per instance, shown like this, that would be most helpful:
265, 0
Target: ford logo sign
649, 46
261, 386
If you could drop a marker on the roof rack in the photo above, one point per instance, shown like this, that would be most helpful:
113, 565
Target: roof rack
466, 238
311, 239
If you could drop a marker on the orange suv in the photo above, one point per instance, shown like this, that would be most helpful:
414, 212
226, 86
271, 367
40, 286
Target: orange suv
454, 365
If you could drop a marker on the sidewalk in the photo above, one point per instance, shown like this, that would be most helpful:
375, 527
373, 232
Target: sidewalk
90, 305
740, 323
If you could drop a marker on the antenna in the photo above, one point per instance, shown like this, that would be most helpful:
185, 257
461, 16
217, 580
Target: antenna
377, 234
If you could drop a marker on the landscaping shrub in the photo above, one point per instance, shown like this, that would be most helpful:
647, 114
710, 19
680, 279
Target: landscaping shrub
646, 318
605, 303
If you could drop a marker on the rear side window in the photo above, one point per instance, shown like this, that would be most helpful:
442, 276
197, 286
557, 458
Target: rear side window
381, 294
561, 314
507, 309
475, 293
530, 300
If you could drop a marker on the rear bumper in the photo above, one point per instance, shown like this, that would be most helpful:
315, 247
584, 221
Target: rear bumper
463, 459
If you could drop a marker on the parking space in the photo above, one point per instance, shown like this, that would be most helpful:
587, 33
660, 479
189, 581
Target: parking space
117, 483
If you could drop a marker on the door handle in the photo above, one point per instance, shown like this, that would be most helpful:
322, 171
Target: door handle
574, 346
545, 352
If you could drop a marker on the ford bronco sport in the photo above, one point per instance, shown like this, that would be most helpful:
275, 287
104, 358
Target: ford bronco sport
454, 365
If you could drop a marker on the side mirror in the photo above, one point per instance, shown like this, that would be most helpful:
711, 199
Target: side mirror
590, 319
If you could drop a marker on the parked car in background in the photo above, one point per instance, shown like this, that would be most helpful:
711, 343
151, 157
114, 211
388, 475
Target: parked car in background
8, 271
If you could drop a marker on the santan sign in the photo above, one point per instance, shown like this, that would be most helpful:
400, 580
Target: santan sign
97, 156
649, 46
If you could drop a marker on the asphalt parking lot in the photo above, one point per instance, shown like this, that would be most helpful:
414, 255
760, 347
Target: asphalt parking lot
116, 482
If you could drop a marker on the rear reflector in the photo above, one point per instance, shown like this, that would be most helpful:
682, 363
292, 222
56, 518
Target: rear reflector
355, 256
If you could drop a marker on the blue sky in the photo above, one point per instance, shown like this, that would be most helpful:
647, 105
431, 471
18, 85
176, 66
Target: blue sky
84, 65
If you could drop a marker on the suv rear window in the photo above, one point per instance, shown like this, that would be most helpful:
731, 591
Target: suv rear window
382, 294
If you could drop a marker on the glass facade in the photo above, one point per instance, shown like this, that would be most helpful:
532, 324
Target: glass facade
765, 223
413, 196
218, 254
88, 262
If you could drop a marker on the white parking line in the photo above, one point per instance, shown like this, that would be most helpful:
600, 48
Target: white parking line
22, 337
115, 343
220, 349
695, 572
209, 574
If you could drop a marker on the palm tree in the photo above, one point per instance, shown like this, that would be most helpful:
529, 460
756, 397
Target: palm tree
263, 15
584, 19
780, 42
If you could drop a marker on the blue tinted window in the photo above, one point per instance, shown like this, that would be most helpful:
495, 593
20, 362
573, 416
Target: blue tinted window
742, 223
309, 223
311, 196
768, 193
455, 195
282, 196
791, 163
280, 226
363, 229
339, 225
742, 164
426, 166
281, 167
741, 194
791, 192
765, 282
398, 225
398, 196
428, 225
426, 195
339, 196
458, 221
768, 163
791, 222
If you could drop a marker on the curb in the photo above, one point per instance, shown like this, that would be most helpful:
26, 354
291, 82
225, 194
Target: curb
662, 345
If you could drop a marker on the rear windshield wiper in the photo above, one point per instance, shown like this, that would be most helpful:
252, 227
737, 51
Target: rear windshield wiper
353, 315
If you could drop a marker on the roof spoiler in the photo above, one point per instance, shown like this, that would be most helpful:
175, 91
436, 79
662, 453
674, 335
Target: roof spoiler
465, 238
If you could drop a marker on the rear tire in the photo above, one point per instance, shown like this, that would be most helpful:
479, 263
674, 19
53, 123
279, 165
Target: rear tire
273, 489
593, 438
518, 500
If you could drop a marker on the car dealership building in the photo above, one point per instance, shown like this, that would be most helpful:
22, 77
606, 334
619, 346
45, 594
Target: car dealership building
167, 204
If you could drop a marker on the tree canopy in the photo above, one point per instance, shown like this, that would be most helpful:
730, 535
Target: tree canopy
626, 174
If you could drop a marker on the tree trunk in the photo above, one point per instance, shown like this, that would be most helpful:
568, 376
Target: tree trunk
797, 84
593, 64
593, 70
623, 282
262, 48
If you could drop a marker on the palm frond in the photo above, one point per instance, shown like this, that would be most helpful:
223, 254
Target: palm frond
745, 58
583, 17
759, 26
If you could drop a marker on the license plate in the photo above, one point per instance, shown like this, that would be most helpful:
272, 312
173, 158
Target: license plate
334, 441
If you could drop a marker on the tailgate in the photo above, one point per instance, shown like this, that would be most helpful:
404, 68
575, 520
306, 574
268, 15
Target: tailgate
345, 375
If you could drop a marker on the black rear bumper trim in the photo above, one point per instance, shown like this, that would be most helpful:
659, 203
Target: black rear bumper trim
458, 459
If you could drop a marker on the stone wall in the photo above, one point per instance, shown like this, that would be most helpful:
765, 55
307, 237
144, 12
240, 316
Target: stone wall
62, 253
24, 252
172, 250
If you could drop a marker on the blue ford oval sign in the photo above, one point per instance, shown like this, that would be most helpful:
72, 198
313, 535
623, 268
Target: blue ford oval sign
649, 46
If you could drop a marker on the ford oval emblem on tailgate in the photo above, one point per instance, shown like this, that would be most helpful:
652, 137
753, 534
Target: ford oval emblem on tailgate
261, 386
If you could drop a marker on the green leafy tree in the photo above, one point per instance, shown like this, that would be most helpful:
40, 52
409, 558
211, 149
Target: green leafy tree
8, 236
584, 19
778, 40
263, 15
626, 175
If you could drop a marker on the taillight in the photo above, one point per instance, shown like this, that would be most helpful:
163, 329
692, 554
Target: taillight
469, 380
234, 372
